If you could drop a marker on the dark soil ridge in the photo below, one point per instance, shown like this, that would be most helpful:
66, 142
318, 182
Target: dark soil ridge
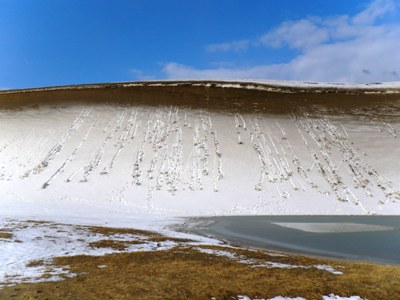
204, 94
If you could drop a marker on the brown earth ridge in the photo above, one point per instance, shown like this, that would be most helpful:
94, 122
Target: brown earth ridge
214, 95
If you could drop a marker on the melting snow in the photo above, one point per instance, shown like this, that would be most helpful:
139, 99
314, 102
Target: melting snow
266, 264
330, 297
35, 241
334, 297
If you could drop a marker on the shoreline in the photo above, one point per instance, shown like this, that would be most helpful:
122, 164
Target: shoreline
198, 225
126, 259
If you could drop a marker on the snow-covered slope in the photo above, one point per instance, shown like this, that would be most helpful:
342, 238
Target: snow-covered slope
98, 159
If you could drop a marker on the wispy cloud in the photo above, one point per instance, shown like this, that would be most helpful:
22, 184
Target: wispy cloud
376, 9
235, 46
312, 32
302, 34
358, 48
139, 75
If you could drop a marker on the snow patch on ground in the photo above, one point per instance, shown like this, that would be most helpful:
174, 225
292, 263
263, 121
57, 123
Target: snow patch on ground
336, 85
330, 297
26, 256
241, 297
266, 264
276, 85
334, 297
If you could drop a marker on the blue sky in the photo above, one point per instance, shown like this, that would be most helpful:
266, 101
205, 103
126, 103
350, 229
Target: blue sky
58, 42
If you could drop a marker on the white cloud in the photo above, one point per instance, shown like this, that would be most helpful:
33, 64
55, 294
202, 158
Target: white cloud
302, 34
376, 9
336, 49
235, 46
139, 75
178, 71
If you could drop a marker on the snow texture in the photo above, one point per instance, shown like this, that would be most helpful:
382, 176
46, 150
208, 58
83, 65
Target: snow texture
33, 241
169, 161
36, 241
330, 297
142, 167
334, 297
266, 264
241, 297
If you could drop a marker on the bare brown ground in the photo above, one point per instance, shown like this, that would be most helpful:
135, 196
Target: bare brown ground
185, 273
207, 95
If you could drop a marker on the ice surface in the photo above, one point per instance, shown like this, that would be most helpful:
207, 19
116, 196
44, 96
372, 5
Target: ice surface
334, 227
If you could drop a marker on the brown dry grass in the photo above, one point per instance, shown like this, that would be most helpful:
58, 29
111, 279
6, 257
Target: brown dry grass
159, 239
185, 273
116, 245
36, 263
112, 231
5, 235
149, 236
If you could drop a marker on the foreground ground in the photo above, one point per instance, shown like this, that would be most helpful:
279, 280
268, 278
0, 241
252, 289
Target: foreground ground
163, 267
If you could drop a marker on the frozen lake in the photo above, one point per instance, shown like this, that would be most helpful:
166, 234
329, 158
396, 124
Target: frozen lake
369, 238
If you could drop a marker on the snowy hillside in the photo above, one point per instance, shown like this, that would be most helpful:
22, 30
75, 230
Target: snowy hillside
171, 160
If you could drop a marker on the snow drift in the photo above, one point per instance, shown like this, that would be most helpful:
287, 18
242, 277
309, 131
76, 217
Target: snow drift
200, 148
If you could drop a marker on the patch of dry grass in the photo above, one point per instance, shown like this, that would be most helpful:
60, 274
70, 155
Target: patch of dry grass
159, 239
186, 273
36, 263
113, 244
5, 235
113, 231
